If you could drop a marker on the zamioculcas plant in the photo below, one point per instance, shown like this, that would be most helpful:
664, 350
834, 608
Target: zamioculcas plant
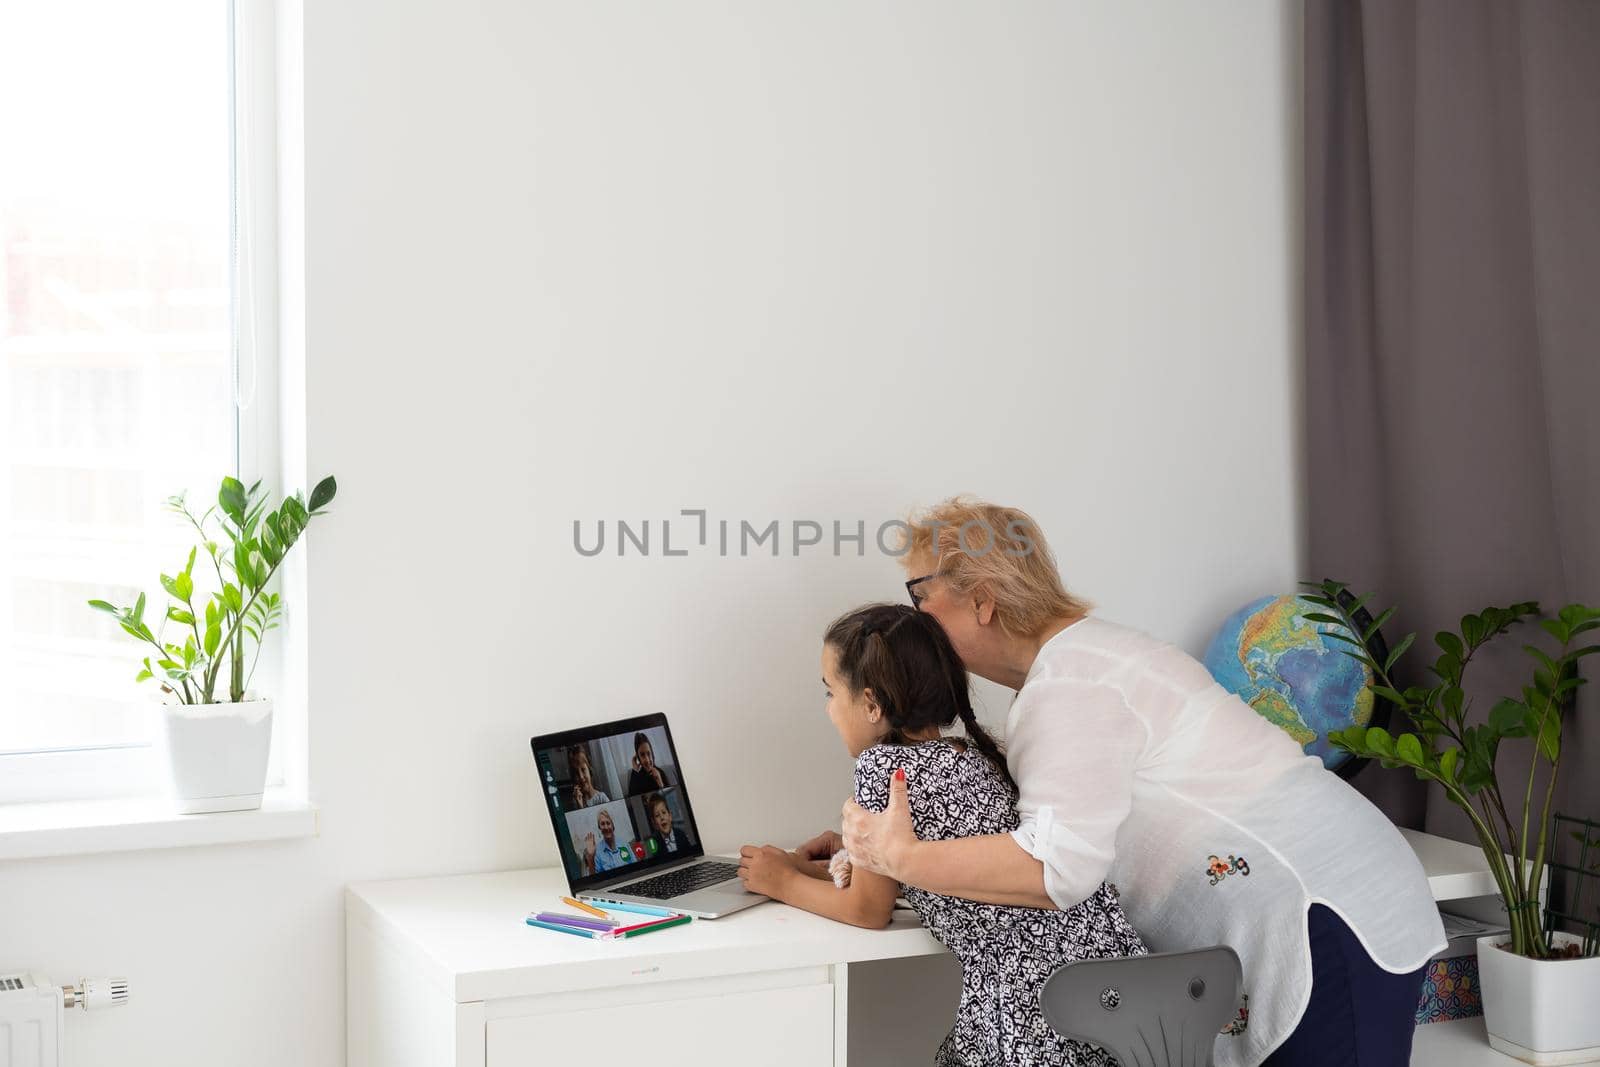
1442, 748
225, 629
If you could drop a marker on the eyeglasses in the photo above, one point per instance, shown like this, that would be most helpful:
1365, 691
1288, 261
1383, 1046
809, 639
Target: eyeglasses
911, 589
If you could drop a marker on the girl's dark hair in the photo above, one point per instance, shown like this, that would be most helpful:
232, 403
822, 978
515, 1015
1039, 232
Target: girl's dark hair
904, 656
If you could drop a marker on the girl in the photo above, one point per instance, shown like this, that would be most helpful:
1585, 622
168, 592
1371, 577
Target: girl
893, 682
584, 792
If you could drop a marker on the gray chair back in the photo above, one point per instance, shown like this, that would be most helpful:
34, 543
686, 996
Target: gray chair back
1162, 1010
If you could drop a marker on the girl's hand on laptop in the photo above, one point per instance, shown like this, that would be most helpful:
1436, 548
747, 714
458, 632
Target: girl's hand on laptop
821, 847
767, 869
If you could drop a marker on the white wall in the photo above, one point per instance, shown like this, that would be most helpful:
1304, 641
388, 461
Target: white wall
821, 261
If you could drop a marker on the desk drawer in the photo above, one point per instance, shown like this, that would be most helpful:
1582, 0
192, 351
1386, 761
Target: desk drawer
791, 1027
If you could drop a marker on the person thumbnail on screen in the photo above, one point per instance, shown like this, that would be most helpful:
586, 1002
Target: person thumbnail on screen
668, 832
584, 792
602, 838
646, 754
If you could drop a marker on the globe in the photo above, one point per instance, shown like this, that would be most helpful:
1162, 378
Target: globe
1293, 674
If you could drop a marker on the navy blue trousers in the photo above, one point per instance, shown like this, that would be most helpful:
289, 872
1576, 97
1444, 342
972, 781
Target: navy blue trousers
1359, 1015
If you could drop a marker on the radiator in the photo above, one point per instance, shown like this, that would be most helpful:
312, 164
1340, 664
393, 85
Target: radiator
31, 1011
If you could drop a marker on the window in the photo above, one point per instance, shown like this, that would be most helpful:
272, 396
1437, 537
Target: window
131, 135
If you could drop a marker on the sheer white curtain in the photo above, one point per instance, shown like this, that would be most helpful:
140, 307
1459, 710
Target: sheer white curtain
118, 375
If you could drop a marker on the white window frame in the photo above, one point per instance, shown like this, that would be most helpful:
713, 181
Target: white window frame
134, 771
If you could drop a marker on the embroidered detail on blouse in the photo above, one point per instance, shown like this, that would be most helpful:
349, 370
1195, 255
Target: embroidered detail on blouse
1240, 1022
1219, 869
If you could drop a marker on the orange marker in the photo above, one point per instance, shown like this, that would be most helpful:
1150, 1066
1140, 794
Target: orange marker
581, 906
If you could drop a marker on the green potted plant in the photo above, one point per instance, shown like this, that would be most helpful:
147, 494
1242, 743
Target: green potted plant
1540, 986
216, 732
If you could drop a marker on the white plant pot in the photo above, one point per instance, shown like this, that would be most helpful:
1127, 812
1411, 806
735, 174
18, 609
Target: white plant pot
1540, 1011
217, 754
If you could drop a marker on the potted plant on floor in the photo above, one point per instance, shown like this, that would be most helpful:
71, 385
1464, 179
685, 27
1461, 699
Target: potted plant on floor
216, 732
1540, 986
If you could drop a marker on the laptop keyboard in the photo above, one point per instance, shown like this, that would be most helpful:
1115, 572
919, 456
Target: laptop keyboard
686, 880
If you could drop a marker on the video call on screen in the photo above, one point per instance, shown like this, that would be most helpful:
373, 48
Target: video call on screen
621, 801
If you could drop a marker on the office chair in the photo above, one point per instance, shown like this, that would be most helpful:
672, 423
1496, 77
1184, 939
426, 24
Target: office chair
1163, 1010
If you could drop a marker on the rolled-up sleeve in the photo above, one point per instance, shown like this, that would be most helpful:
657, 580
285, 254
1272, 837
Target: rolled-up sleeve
1072, 747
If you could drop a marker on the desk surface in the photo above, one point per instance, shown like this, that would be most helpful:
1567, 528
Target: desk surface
467, 934
1454, 869
1456, 1044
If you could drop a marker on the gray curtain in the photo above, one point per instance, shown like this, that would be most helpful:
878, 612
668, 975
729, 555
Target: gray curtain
1452, 288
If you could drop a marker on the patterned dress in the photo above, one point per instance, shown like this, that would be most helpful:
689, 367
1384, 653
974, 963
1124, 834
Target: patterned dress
1006, 953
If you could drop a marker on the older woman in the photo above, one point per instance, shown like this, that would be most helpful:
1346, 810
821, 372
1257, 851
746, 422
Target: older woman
1134, 766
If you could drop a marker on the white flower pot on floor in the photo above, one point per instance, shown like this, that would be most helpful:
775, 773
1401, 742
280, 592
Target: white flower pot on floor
217, 754
1540, 1011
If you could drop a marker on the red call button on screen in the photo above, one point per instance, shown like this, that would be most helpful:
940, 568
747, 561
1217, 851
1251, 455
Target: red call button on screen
638, 850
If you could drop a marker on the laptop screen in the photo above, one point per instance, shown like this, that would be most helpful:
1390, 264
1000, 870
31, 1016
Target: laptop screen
617, 800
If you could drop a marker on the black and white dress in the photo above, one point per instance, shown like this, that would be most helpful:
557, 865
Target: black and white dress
1006, 953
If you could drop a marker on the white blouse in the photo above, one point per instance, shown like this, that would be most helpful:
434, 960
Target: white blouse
1135, 767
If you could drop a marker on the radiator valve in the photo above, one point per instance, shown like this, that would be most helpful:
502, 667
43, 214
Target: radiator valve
95, 993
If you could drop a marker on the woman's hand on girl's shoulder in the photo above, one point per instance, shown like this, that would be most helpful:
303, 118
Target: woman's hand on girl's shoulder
880, 840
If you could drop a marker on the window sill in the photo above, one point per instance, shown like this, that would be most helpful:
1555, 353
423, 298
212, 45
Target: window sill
30, 831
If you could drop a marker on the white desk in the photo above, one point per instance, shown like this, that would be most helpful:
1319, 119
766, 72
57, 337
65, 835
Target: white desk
1456, 872
1457, 1044
443, 972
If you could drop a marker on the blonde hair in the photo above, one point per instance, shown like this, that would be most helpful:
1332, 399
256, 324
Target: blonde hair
1002, 549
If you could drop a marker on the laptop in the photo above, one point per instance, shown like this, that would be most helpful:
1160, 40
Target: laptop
622, 819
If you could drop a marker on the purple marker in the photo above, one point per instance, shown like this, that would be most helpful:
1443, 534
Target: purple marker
598, 925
